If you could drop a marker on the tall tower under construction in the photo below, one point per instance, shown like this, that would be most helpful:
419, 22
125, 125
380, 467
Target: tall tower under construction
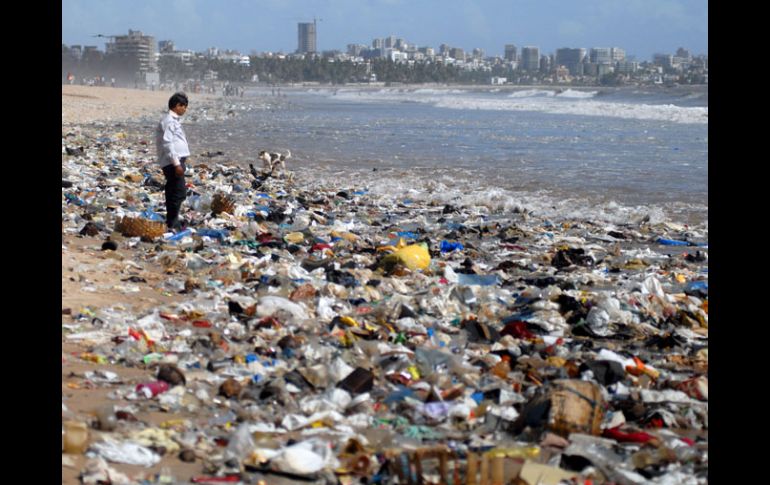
306, 37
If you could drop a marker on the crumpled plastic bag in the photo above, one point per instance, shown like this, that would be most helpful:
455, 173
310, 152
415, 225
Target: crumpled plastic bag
651, 286
295, 421
305, 458
333, 399
98, 471
598, 320
269, 305
152, 326
127, 452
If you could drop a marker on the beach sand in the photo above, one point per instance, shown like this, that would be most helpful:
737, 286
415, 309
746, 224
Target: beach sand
86, 104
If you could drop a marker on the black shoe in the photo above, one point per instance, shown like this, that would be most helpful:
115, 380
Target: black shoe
176, 226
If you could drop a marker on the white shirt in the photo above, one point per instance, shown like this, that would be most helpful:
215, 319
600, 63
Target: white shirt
170, 140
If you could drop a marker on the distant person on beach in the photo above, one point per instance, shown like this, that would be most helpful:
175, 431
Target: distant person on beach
173, 154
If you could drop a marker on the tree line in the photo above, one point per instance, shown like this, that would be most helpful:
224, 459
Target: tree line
286, 70
324, 70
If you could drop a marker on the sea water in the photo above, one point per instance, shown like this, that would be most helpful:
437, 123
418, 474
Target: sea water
611, 154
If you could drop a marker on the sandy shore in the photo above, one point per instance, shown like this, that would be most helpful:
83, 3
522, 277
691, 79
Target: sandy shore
87, 104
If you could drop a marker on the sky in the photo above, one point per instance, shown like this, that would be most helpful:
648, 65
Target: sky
641, 27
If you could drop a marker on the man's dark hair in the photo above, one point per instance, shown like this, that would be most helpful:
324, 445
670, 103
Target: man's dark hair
177, 98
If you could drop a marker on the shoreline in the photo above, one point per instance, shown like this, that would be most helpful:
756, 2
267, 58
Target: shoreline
178, 294
91, 104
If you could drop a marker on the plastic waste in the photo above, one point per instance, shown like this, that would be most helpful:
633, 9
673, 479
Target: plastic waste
153, 216
276, 324
152, 389
126, 452
75, 437
477, 280
241, 443
448, 246
106, 417
220, 234
413, 256
672, 242
180, 235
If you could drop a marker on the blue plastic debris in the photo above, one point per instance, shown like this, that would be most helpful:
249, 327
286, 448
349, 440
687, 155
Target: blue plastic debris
447, 246
477, 279
672, 242
153, 216
220, 234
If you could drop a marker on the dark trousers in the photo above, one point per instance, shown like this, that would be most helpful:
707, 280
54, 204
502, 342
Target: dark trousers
176, 192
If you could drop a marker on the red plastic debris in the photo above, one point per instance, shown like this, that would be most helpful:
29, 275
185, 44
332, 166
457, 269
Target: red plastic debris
517, 329
225, 479
616, 434
319, 247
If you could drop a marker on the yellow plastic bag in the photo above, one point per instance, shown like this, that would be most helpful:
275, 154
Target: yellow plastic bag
414, 256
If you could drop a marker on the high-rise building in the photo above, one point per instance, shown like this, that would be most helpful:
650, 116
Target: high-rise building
530, 58
510, 52
378, 43
627, 67
306, 37
165, 46
570, 58
92, 53
683, 53
545, 63
137, 46
76, 51
457, 53
356, 49
617, 54
664, 60
390, 42
601, 55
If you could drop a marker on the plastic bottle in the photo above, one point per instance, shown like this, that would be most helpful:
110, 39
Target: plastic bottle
106, 417
75, 437
220, 234
153, 216
447, 246
672, 242
152, 389
501, 369
241, 443
477, 279
180, 235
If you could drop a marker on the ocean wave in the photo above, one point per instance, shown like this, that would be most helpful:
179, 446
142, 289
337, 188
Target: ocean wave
570, 93
663, 112
531, 93
569, 102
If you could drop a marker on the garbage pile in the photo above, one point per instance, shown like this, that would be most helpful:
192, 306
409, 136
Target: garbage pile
336, 336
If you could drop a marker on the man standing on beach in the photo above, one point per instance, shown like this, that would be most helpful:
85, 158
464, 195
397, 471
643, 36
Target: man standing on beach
173, 153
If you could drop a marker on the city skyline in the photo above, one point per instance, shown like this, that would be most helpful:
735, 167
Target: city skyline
642, 28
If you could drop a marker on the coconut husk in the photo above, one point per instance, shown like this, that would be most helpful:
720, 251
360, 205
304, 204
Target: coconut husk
221, 203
